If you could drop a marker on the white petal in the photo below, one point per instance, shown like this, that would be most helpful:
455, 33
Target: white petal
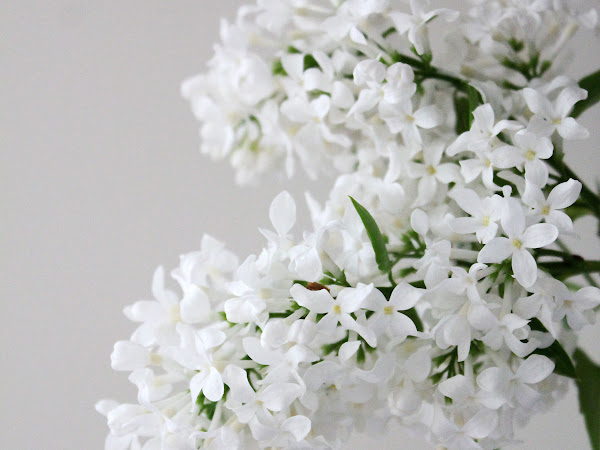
237, 379
567, 99
535, 369
298, 426
481, 424
470, 169
447, 173
401, 325
494, 379
367, 99
369, 70
468, 200
533, 195
404, 296
244, 310
283, 213
495, 251
524, 268
145, 310
351, 299
128, 355
539, 235
418, 365
260, 354
513, 219
484, 117
278, 396
465, 225
564, 194
507, 157
458, 388
570, 129
315, 301
348, 349
587, 297
197, 383
537, 103
195, 306
428, 117
419, 222
213, 386
357, 36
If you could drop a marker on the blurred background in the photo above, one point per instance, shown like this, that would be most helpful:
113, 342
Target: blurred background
102, 181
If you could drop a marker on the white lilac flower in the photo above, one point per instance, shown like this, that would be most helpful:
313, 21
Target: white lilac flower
578, 307
337, 310
548, 116
485, 214
400, 304
387, 315
527, 153
519, 239
548, 209
514, 387
414, 24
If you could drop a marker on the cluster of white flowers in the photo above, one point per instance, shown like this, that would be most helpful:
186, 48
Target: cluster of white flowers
428, 294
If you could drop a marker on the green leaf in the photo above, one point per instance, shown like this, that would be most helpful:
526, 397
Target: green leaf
562, 363
588, 385
310, 62
277, 68
464, 107
591, 83
475, 100
461, 106
377, 241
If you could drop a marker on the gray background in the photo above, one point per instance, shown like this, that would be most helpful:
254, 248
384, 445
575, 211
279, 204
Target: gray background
102, 181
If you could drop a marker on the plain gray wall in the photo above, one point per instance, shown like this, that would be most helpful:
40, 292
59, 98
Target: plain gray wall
102, 181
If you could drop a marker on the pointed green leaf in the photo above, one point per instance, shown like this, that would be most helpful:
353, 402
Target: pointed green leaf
461, 106
562, 362
588, 386
464, 107
591, 83
377, 241
475, 100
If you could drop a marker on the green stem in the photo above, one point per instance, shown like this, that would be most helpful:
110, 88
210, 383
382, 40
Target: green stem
425, 70
571, 268
586, 275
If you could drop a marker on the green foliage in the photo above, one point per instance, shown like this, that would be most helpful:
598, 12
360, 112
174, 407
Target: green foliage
588, 385
562, 363
377, 240
277, 68
591, 83
464, 107
461, 106
310, 62
475, 100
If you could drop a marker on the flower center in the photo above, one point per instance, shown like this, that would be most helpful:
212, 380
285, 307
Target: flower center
485, 221
545, 210
174, 313
530, 155
431, 170
388, 310
337, 309
517, 243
